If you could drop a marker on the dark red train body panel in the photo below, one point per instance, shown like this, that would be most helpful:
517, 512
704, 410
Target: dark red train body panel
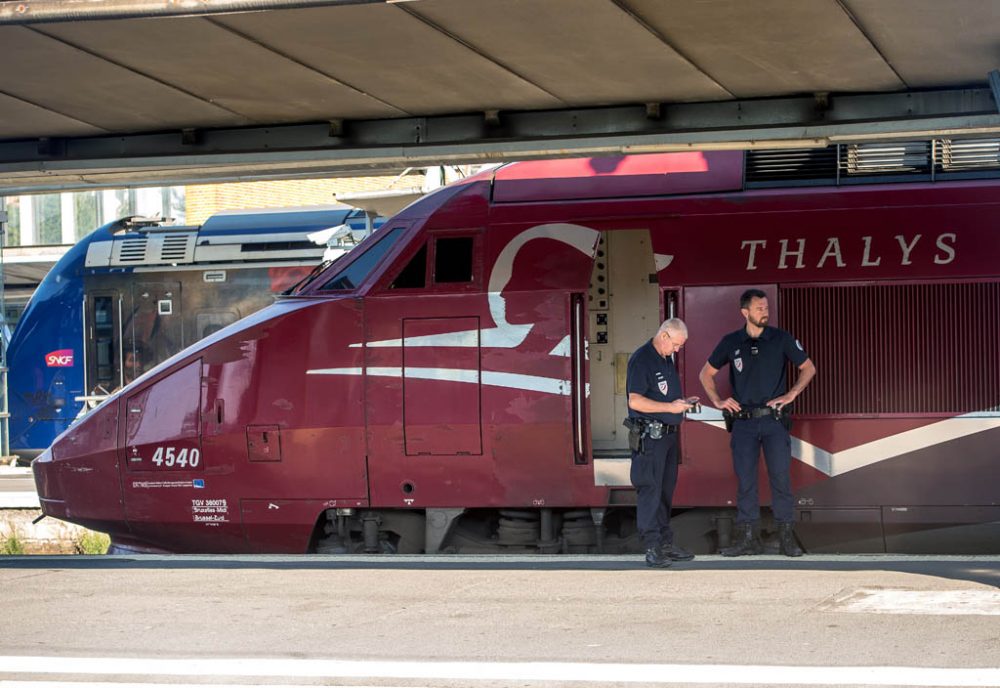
457, 382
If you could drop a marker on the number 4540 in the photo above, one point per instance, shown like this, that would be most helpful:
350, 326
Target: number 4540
181, 458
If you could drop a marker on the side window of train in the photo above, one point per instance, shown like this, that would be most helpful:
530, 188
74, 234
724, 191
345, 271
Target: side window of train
210, 322
414, 275
355, 273
455, 260
103, 366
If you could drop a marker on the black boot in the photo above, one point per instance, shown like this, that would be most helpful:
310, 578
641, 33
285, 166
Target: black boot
786, 541
656, 558
747, 541
675, 552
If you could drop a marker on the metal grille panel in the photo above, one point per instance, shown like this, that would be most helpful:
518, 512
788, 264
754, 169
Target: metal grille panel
906, 349
131, 250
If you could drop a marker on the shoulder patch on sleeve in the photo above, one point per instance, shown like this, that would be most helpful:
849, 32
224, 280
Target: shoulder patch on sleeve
799, 345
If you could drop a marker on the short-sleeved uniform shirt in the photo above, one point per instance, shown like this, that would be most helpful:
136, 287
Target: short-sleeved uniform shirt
757, 366
654, 377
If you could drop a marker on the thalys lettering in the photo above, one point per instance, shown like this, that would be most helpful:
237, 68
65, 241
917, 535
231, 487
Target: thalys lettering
456, 383
800, 253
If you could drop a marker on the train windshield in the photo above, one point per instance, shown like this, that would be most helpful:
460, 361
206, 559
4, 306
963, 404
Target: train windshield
355, 273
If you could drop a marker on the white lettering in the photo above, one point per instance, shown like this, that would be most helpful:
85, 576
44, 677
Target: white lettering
171, 457
798, 254
832, 250
906, 249
866, 261
753, 251
950, 250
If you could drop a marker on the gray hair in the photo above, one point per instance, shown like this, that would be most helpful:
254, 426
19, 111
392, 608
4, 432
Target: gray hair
675, 325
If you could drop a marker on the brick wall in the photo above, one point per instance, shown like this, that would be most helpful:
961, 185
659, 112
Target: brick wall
204, 200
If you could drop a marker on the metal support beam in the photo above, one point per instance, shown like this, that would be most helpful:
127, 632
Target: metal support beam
389, 145
43, 11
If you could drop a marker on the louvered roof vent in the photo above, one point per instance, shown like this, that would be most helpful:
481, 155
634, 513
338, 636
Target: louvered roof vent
792, 164
130, 250
968, 154
891, 157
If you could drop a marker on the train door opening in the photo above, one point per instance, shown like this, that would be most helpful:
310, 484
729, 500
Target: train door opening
624, 311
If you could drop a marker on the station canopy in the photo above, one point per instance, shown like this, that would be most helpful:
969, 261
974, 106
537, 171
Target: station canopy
108, 92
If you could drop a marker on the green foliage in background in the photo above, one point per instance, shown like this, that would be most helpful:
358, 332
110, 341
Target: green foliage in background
93, 543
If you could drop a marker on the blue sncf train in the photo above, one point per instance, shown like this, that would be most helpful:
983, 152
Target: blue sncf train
134, 292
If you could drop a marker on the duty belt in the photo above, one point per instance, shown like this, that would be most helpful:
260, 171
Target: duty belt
748, 413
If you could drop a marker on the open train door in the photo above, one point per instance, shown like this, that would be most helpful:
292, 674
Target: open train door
624, 311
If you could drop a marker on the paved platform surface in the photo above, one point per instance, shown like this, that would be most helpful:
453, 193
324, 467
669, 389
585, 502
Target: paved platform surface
500, 621
17, 488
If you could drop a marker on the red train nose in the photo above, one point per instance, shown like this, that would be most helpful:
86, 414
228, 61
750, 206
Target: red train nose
78, 478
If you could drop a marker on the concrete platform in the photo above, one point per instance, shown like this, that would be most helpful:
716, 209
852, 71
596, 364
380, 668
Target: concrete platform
490, 621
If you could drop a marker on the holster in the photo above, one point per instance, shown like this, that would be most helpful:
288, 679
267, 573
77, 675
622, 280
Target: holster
727, 417
635, 432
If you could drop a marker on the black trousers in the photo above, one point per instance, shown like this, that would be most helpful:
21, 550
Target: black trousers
654, 475
749, 437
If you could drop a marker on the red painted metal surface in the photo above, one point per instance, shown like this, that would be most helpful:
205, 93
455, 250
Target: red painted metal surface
461, 395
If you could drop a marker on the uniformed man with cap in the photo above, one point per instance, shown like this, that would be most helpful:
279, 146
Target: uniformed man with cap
655, 409
756, 355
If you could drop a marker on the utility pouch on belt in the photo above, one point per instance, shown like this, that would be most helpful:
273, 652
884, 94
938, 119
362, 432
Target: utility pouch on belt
635, 426
727, 417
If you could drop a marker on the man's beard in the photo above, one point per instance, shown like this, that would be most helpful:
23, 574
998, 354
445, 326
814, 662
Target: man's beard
758, 323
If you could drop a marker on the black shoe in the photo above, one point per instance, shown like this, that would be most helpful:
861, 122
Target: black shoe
675, 553
747, 542
786, 541
656, 558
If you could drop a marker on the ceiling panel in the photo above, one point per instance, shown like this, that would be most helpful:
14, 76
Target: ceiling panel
587, 52
933, 43
213, 63
771, 47
19, 119
384, 51
71, 82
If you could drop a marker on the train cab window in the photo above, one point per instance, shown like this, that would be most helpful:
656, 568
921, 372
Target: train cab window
453, 259
414, 275
355, 273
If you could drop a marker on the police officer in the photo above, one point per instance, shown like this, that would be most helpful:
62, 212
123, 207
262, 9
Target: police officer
654, 394
756, 356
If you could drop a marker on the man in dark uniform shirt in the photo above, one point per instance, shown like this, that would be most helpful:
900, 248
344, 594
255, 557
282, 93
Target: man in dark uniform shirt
756, 356
654, 394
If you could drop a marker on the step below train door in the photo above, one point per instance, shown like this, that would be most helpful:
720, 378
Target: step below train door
624, 313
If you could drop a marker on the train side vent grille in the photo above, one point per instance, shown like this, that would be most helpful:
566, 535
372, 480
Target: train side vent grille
177, 248
968, 154
131, 250
895, 157
791, 165
877, 354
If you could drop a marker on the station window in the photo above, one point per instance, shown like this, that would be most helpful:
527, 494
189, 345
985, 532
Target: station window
355, 273
453, 259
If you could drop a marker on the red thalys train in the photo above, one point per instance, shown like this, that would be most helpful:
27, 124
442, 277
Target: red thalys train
456, 383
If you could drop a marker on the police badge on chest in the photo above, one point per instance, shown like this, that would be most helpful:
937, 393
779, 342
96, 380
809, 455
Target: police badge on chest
738, 364
661, 384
